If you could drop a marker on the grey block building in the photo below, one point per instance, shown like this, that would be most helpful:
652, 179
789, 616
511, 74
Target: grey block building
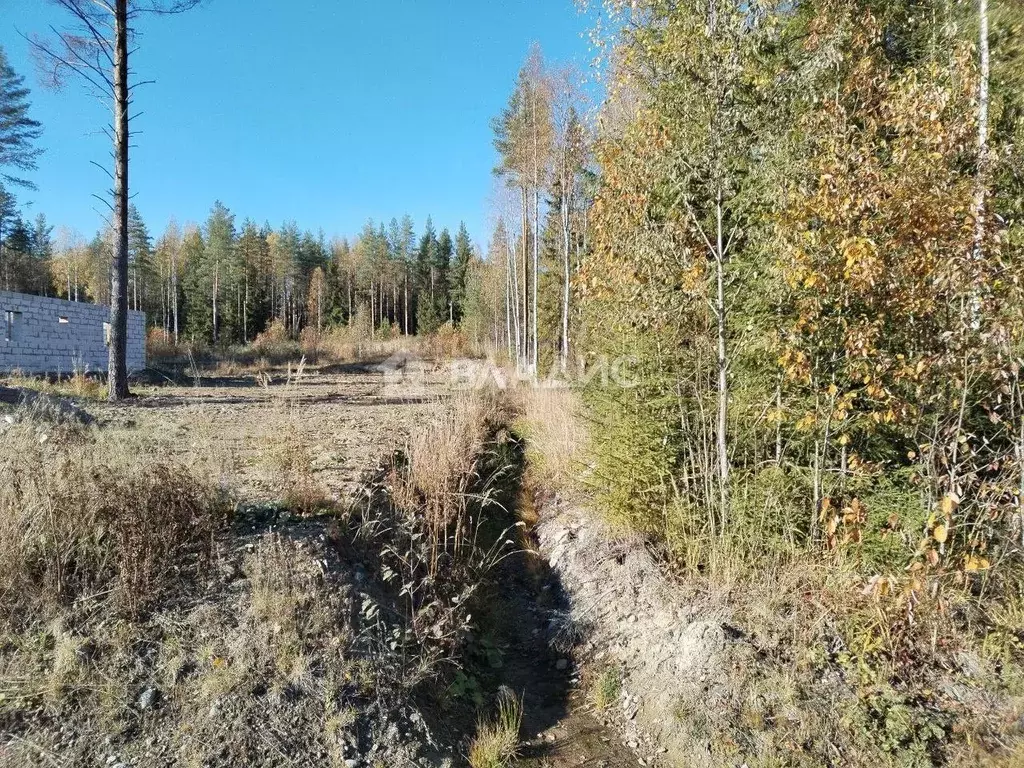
43, 335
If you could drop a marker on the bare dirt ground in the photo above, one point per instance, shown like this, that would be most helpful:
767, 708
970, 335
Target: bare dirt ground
316, 433
255, 429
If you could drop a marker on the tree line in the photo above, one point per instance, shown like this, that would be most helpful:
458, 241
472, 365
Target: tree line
544, 166
225, 282
807, 236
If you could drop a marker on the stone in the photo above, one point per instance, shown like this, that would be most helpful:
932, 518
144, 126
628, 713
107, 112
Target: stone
147, 699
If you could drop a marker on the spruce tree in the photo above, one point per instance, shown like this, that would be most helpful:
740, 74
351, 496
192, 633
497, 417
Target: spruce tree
140, 253
18, 131
463, 255
442, 267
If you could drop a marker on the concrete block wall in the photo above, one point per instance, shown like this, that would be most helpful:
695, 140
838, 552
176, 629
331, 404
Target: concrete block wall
58, 336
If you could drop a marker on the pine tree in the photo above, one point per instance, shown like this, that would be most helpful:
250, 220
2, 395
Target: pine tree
196, 284
427, 319
18, 131
8, 215
219, 263
42, 253
442, 269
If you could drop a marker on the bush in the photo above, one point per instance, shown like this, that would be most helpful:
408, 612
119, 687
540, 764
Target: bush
446, 342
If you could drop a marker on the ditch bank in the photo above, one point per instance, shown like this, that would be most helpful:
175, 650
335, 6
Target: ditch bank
641, 648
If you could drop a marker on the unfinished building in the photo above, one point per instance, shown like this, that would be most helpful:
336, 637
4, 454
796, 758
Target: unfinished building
39, 334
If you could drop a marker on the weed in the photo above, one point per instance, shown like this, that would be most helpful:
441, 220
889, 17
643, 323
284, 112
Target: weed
496, 743
607, 688
79, 520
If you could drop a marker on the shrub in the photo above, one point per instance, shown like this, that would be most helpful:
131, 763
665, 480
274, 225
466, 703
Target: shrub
446, 342
160, 347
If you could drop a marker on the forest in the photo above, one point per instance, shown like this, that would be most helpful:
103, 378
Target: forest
222, 284
800, 226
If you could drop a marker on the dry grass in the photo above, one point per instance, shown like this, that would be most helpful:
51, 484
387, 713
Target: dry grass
435, 524
80, 383
607, 687
80, 518
266, 643
556, 436
275, 348
496, 743
447, 474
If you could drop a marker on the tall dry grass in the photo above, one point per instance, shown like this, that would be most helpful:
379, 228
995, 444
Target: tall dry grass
81, 519
553, 425
433, 525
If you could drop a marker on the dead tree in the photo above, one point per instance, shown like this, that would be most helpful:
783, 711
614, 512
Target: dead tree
95, 46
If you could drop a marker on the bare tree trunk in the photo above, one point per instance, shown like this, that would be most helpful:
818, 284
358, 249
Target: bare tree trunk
723, 381
216, 290
536, 268
566, 213
981, 181
778, 422
174, 293
513, 257
164, 302
245, 310
508, 305
118, 364
525, 352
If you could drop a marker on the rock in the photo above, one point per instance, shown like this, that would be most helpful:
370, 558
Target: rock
147, 698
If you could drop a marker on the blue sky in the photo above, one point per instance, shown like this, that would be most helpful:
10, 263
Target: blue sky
326, 112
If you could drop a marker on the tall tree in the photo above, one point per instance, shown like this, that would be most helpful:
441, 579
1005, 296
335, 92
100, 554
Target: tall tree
18, 131
460, 270
140, 247
219, 258
95, 47
168, 258
523, 138
8, 215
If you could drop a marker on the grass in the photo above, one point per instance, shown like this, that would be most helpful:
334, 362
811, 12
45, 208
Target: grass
433, 525
551, 421
121, 571
79, 384
80, 517
607, 687
496, 743
275, 348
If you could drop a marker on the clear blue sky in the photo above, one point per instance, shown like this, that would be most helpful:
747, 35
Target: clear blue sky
327, 112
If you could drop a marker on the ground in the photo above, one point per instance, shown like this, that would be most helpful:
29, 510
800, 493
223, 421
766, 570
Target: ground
287, 445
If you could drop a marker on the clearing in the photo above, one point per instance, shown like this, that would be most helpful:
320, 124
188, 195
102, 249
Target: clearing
293, 448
